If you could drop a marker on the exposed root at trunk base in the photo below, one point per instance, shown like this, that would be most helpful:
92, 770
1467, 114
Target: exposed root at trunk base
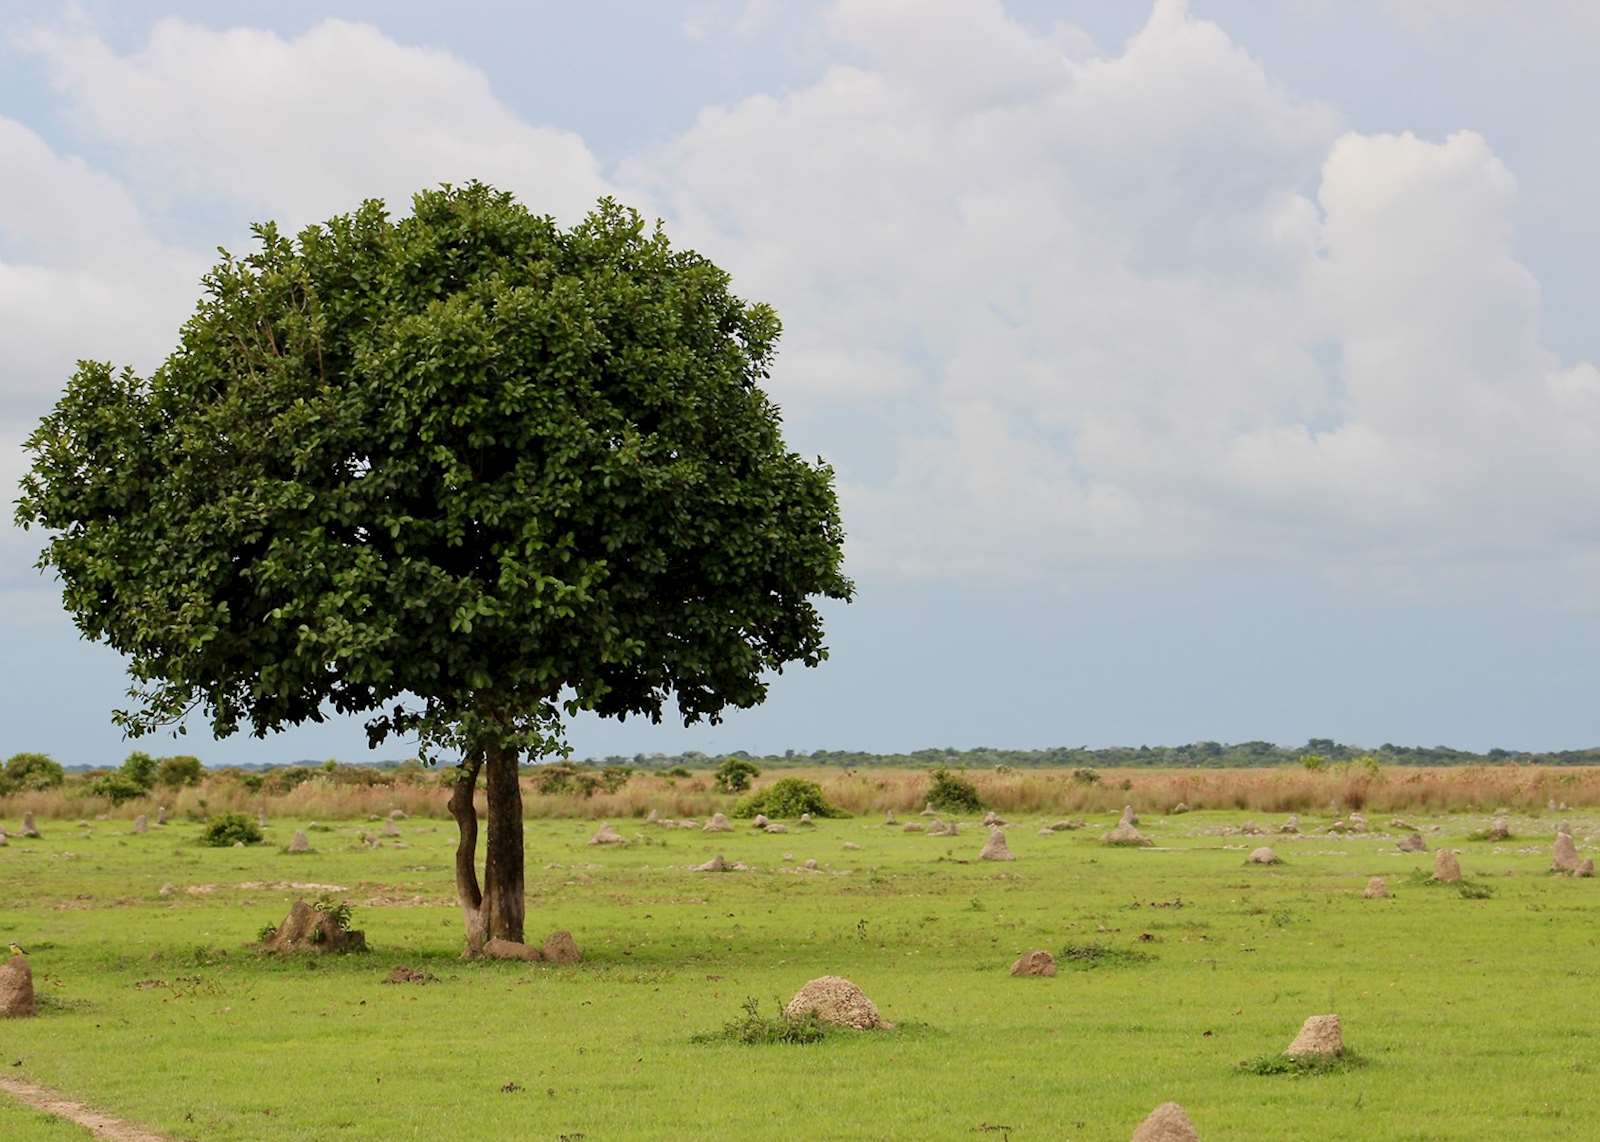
558, 948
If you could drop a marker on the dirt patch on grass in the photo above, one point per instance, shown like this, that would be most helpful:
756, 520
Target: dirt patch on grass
403, 974
95, 1122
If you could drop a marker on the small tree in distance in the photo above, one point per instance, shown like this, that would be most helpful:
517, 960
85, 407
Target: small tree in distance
465, 473
734, 775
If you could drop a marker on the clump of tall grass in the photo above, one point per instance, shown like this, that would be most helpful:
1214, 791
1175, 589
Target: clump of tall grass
755, 1029
1303, 1066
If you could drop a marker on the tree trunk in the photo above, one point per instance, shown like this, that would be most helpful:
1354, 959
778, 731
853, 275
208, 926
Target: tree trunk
502, 867
465, 812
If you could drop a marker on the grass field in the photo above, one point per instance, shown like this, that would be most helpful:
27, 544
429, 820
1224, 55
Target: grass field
1475, 1017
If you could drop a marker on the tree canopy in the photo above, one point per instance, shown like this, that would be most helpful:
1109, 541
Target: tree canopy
460, 473
443, 471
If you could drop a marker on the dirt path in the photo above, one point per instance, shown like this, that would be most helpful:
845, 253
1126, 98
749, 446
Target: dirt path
100, 1125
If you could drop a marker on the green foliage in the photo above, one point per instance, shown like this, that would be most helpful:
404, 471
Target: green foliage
951, 794
787, 797
1312, 761
229, 829
563, 777
28, 772
1086, 776
755, 1029
1303, 1066
266, 933
735, 775
117, 787
140, 769
288, 777
1087, 957
677, 771
178, 772
336, 910
467, 456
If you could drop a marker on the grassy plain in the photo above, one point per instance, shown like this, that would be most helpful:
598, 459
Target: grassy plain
1476, 1018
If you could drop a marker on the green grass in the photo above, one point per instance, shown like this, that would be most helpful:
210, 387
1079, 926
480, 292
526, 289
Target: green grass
1303, 1066
1463, 1010
1087, 957
22, 1124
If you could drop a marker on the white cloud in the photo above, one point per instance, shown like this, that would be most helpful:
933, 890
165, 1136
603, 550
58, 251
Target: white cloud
1090, 310
1155, 307
233, 126
298, 129
81, 274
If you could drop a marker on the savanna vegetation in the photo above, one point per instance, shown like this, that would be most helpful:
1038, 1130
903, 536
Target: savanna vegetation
1183, 975
333, 791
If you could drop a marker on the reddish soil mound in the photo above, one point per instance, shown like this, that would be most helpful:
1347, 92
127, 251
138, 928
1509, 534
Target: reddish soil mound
307, 930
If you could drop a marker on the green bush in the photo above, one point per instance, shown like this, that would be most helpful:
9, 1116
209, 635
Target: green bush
756, 1029
1086, 776
26, 772
788, 797
140, 769
677, 771
336, 910
229, 829
564, 777
1087, 957
117, 787
735, 775
951, 794
288, 778
177, 772
1303, 1066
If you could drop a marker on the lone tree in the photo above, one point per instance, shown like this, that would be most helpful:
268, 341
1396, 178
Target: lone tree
465, 473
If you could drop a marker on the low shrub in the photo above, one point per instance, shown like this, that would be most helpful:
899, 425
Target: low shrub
564, 777
1087, 957
787, 797
951, 794
1303, 1066
756, 1029
336, 910
117, 787
230, 829
283, 779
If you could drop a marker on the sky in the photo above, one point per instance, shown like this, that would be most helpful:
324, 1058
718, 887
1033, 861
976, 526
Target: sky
1218, 370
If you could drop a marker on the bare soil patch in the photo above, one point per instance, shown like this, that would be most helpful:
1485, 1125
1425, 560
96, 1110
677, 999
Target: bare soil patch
99, 1124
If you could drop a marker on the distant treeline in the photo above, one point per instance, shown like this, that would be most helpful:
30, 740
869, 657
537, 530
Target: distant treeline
1201, 755
1195, 755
